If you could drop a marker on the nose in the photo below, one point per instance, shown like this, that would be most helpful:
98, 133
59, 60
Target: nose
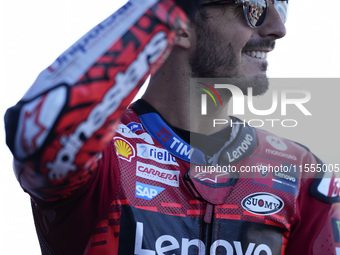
273, 26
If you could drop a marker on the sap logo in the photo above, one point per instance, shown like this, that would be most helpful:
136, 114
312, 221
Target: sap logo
276, 142
134, 126
167, 243
146, 191
262, 203
181, 148
157, 154
165, 176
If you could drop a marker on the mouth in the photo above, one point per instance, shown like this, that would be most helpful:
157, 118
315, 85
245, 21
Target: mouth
257, 54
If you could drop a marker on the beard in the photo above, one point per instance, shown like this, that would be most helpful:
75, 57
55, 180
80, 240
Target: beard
213, 59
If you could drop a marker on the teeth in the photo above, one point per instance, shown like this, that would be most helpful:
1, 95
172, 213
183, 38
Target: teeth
257, 54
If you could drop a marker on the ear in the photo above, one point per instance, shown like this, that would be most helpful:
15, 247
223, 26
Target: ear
184, 38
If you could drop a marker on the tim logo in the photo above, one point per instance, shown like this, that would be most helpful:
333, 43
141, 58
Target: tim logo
164, 134
204, 97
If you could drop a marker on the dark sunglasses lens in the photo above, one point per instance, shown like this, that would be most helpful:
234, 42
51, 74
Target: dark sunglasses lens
282, 8
256, 11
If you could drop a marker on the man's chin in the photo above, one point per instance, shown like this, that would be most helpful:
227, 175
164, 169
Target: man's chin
259, 84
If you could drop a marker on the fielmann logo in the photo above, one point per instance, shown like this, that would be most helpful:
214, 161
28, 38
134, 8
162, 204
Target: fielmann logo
292, 97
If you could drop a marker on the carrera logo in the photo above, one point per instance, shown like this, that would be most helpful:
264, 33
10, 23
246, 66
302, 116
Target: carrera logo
150, 172
262, 203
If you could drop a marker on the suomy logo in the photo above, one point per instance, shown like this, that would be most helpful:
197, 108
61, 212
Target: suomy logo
262, 203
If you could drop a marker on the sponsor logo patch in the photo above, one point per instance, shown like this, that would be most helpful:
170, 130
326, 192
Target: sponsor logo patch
181, 148
262, 203
147, 192
164, 134
124, 149
241, 150
134, 126
329, 185
263, 169
276, 143
275, 174
126, 132
160, 155
165, 176
212, 177
140, 238
281, 154
336, 229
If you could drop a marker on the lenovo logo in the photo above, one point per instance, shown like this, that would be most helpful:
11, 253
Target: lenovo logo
167, 243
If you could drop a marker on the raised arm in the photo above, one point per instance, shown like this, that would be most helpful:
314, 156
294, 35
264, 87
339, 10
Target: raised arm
69, 114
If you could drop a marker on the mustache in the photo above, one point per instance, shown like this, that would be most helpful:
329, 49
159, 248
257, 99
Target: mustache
255, 44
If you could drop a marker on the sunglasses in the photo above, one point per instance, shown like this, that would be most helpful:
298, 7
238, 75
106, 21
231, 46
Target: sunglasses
255, 11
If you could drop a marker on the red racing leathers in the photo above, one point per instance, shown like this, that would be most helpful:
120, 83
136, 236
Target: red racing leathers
101, 186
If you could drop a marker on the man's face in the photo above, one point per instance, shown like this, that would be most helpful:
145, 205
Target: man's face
226, 47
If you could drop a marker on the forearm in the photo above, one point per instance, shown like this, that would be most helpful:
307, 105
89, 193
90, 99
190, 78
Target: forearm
69, 114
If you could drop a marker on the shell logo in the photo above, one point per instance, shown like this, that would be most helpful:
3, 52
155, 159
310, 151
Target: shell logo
124, 149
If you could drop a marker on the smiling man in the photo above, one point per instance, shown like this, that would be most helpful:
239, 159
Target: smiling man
155, 177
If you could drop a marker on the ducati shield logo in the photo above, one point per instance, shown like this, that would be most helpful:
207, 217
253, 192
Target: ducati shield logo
262, 203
